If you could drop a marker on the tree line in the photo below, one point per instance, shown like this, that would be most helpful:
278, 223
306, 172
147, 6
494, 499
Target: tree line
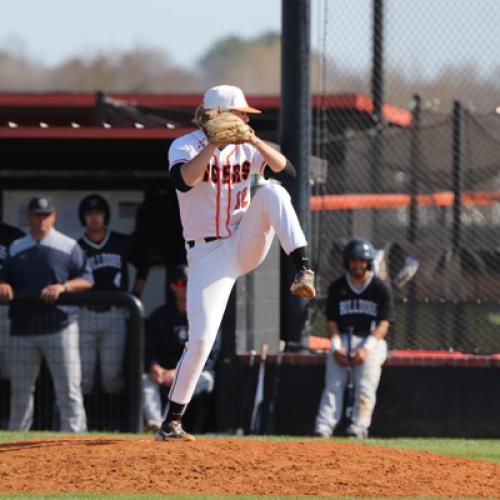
253, 64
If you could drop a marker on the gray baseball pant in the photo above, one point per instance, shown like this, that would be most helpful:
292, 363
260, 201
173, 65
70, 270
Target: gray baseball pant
103, 335
60, 351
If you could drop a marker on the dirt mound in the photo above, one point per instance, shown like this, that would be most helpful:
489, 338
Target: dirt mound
238, 467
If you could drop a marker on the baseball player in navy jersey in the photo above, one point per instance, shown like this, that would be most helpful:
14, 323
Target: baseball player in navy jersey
102, 329
362, 302
48, 263
226, 234
8, 234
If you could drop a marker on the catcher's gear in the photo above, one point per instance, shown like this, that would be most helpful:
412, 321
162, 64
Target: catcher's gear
359, 248
227, 128
94, 202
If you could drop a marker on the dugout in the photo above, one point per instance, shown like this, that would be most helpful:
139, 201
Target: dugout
67, 145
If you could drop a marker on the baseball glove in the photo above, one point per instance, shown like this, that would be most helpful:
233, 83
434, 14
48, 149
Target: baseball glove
227, 128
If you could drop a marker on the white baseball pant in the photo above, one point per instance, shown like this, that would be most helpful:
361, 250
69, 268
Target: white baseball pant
214, 267
152, 404
366, 379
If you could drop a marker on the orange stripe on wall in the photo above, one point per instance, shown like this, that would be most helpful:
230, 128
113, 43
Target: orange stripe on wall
399, 200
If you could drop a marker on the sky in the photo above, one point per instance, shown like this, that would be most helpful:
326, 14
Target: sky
421, 35
52, 30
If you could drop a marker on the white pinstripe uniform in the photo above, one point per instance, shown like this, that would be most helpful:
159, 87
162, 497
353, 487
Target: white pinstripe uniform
219, 206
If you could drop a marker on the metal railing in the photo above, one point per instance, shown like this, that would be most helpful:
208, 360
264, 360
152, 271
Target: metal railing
133, 363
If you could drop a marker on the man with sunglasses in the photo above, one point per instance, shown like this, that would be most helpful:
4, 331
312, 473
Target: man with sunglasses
166, 336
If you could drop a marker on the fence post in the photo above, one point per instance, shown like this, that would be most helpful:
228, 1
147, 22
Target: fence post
457, 175
415, 165
295, 139
377, 91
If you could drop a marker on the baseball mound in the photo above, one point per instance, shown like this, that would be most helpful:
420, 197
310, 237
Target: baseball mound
223, 466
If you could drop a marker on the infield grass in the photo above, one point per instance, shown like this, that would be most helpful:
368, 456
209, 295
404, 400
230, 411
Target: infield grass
482, 449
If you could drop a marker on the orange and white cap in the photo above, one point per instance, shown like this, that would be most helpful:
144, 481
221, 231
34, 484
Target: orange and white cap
227, 97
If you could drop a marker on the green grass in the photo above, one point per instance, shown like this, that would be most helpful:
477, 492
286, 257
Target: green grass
23, 436
483, 449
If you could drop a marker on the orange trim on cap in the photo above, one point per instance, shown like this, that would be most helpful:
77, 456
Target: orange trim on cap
249, 109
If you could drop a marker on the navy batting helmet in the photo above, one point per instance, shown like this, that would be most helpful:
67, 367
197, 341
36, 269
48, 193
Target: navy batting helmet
359, 248
94, 202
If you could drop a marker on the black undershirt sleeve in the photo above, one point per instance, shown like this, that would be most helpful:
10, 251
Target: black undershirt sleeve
177, 180
288, 172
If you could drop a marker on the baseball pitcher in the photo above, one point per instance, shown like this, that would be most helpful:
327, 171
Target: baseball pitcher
226, 233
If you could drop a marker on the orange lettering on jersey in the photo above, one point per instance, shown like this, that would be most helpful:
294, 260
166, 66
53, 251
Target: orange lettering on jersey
241, 199
245, 170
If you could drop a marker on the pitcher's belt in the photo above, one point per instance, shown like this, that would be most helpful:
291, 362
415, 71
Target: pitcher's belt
208, 239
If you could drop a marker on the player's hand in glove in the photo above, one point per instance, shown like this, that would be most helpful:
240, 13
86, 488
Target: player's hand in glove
227, 128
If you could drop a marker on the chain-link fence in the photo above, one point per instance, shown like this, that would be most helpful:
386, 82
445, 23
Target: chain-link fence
71, 369
416, 168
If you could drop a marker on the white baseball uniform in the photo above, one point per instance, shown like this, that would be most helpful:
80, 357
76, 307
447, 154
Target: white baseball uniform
219, 206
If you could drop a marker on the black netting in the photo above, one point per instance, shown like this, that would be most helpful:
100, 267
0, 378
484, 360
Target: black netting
420, 180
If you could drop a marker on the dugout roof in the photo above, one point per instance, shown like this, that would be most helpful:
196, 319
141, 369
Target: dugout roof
58, 140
